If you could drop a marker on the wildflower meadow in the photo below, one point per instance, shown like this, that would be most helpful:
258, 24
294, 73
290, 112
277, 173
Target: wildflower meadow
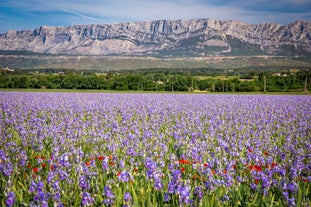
113, 149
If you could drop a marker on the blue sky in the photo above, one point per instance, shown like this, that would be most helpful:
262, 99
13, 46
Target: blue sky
30, 14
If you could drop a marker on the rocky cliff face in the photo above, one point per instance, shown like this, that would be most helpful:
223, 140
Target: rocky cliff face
196, 37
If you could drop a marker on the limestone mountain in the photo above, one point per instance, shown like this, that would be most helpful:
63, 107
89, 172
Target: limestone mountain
166, 38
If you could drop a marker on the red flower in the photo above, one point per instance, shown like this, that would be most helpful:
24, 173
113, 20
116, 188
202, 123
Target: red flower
182, 169
257, 168
256, 181
273, 165
234, 166
87, 163
251, 167
205, 164
182, 161
40, 157
35, 169
224, 171
250, 150
100, 158
304, 180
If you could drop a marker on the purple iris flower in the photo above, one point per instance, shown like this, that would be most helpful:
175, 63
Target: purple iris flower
124, 176
10, 200
127, 197
87, 199
108, 192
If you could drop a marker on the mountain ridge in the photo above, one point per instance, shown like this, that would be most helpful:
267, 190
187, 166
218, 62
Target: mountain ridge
166, 38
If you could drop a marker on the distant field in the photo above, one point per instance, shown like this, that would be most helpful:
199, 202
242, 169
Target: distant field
220, 77
148, 92
104, 63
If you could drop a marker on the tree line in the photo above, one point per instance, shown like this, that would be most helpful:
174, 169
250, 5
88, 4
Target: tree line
160, 82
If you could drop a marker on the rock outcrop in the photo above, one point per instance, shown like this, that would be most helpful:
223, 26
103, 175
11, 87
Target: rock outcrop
195, 37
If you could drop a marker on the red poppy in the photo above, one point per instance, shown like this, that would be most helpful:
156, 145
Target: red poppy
40, 157
250, 150
43, 165
256, 181
224, 171
182, 161
205, 164
87, 163
213, 172
257, 168
273, 165
111, 163
251, 167
304, 180
35, 169
100, 158
234, 166
52, 167
182, 169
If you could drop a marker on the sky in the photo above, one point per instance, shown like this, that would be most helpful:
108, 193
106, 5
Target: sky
31, 14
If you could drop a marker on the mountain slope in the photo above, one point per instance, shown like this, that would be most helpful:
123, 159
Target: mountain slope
174, 38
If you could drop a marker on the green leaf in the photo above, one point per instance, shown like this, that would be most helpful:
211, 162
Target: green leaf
212, 201
299, 197
135, 199
21, 184
272, 201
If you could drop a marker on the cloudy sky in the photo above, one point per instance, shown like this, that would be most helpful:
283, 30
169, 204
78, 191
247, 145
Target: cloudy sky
29, 14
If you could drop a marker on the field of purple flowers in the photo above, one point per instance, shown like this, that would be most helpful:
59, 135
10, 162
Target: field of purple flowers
80, 149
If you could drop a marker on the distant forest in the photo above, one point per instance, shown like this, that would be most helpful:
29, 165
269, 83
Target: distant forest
161, 80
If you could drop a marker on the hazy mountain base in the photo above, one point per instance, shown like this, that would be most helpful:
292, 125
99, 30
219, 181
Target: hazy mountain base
20, 60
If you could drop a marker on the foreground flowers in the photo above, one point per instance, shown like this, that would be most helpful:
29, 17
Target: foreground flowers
70, 149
